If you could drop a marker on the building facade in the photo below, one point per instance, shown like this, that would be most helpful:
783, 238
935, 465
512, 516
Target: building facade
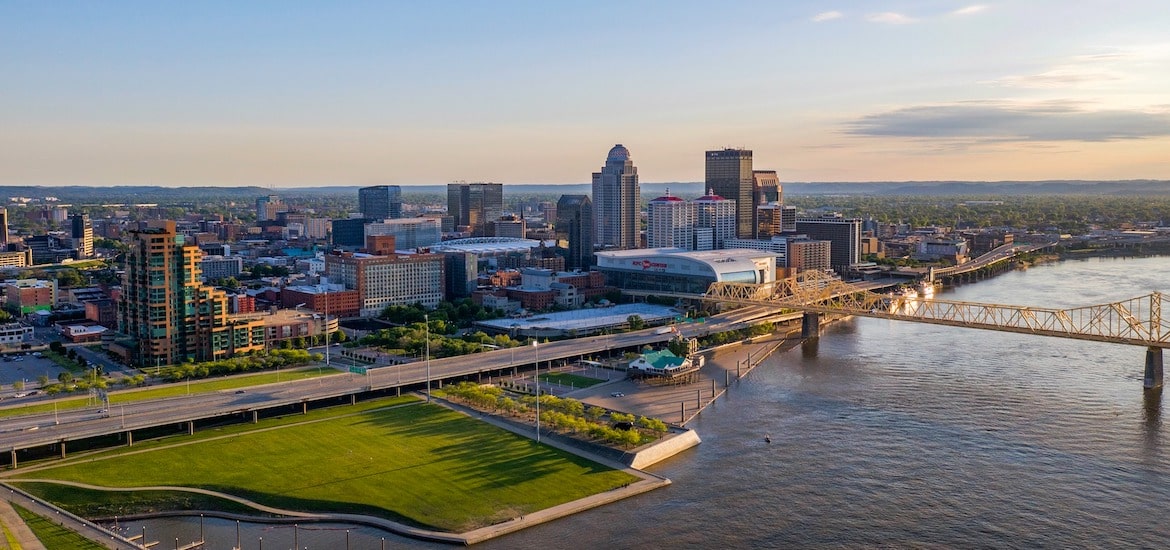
616, 199
717, 214
575, 226
398, 279
380, 202
408, 233
674, 270
729, 175
670, 223
843, 233
474, 206
166, 313
220, 267
81, 229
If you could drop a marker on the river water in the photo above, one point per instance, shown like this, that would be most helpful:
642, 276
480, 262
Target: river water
896, 434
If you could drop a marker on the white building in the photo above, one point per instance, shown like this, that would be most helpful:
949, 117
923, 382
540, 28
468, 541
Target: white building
220, 267
670, 223
14, 333
717, 214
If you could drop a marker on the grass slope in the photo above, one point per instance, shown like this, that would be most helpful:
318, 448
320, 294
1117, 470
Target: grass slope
423, 465
53, 536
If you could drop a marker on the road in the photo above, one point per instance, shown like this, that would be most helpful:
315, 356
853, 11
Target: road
44, 429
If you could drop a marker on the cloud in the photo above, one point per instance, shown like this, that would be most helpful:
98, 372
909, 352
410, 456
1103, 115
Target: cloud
890, 18
827, 16
969, 10
1129, 64
1005, 121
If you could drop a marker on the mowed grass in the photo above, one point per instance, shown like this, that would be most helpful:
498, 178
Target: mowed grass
53, 536
170, 390
423, 465
572, 380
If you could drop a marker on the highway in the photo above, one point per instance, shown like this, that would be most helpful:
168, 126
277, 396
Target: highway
49, 428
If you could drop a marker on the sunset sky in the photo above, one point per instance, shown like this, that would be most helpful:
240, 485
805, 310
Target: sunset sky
293, 94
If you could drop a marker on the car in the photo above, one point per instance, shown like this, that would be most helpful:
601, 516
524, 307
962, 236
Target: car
617, 394
241, 391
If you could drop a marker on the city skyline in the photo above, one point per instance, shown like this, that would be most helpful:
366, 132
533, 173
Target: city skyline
293, 95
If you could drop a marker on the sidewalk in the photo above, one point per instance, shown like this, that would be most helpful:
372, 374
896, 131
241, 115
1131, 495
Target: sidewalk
15, 526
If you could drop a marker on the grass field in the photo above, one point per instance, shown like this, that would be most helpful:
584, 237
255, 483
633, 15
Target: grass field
572, 380
172, 390
53, 536
423, 465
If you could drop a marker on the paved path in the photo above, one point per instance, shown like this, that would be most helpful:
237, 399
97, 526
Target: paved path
14, 525
74, 523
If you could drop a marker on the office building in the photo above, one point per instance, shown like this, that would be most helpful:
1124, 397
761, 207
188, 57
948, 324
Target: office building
268, 206
670, 223
350, 233
220, 267
575, 225
166, 315
716, 214
409, 233
729, 175
3, 227
843, 233
28, 295
766, 187
395, 279
616, 199
774, 219
510, 226
380, 202
82, 233
474, 206
808, 254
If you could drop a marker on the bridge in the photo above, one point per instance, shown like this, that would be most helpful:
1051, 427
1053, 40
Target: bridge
1136, 321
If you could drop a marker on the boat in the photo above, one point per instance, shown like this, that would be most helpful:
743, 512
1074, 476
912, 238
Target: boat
926, 289
909, 293
767, 439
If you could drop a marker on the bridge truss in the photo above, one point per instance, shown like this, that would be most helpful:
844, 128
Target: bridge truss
1136, 321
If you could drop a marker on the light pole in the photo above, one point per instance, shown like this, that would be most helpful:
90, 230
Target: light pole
327, 339
427, 322
536, 351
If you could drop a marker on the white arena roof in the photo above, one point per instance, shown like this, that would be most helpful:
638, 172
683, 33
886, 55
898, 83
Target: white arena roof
487, 245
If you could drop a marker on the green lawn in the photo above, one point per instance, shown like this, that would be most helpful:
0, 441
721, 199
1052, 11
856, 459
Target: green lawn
173, 390
53, 536
423, 465
572, 380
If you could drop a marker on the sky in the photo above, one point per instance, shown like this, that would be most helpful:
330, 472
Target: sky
294, 94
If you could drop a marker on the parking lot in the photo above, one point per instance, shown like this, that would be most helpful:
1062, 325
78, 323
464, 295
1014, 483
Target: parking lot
25, 367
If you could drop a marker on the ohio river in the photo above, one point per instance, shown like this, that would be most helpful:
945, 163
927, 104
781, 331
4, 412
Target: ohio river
899, 434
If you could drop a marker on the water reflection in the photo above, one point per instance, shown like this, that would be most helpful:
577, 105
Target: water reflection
1152, 420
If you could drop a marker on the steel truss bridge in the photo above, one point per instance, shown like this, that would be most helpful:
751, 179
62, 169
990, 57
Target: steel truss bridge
1136, 321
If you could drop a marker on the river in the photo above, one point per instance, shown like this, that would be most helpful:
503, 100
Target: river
896, 434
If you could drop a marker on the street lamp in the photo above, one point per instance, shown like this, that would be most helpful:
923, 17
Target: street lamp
427, 322
536, 350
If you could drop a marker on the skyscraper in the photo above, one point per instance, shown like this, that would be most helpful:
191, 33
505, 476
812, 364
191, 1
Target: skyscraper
3, 228
475, 206
380, 202
670, 223
615, 201
729, 175
717, 214
844, 234
82, 234
575, 225
169, 315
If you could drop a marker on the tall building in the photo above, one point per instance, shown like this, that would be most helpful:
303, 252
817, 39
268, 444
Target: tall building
729, 174
575, 225
3, 228
717, 214
408, 232
670, 223
380, 202
616, 199
766, 187
350, 232
774, 219
395, 279
510, 226
475, 206
844, 234
268, 206
82, 233
167, 313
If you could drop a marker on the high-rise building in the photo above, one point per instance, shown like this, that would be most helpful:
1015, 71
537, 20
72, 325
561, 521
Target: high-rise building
766, 187
350, 232
395, 279
844, 234
717, 214
82, 233
510, 226
268, 206
774, 219
408, 232
475, 206
3, 228
575, 225
729, 174
167, 313
670, 223
616, 199
380, 202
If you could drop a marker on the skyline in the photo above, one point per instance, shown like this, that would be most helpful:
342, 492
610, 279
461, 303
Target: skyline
292, 94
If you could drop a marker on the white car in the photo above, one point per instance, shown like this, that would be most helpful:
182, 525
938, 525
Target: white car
617, 394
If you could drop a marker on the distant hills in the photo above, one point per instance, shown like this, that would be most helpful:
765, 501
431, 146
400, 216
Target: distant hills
149, 194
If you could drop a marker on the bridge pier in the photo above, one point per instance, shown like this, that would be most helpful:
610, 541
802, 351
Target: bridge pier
810, 325
1153, 378
13, 458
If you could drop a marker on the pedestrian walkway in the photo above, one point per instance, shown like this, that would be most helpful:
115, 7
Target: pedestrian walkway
16, 530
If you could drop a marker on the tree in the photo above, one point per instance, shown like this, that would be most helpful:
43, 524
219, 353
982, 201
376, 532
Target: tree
19, 384
635, 322
65, 377
679, 347
56, 347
